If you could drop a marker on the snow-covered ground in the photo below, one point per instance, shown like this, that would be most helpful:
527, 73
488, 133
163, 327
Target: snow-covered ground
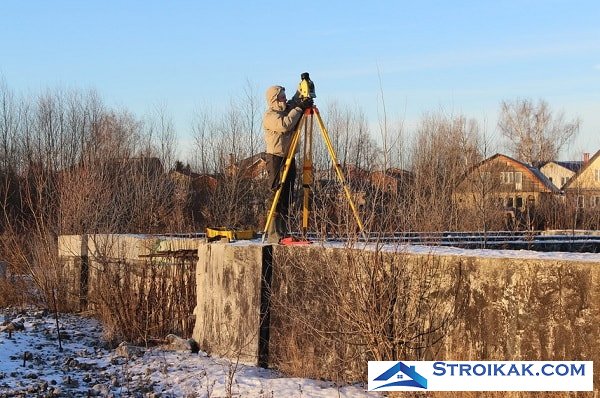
461, 252
31, 365
448, 250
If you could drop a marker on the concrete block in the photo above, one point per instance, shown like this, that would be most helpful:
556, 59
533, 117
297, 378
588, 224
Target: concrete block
174, 243
72, 245
122, 246
228, 295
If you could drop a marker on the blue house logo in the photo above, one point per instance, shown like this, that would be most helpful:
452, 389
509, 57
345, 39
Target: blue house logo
395, 375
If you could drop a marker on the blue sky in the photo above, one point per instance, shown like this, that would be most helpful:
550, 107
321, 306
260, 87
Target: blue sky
458, 57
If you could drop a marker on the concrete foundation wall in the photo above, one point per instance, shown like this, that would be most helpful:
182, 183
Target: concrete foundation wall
129, 247
334, 309
323, 312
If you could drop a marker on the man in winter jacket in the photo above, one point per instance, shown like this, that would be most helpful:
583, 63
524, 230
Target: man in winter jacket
279, 122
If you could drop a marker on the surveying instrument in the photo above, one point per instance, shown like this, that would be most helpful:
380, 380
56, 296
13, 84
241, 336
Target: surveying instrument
306, 89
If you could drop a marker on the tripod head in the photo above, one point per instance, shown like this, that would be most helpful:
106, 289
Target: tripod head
306, 87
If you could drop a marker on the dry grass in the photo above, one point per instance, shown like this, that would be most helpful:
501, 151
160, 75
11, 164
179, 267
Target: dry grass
331, 315
142, 302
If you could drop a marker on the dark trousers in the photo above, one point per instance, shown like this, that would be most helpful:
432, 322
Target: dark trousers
275, 166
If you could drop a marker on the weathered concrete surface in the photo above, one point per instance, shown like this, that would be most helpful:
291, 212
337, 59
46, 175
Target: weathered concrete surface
129, 247
73, 253
228, 295
544, 310
72, 246
333, 309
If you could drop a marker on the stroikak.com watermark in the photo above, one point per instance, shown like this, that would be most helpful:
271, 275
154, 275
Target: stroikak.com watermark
481, 375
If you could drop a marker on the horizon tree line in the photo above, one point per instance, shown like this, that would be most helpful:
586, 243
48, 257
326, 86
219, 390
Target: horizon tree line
59, 152
71, 164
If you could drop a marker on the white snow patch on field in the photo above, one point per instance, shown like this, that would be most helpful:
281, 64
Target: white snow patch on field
86, 367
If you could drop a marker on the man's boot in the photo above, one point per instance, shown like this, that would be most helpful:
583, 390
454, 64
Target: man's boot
273, 235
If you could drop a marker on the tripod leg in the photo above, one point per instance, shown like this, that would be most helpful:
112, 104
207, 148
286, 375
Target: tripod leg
338, 169
307, 173
286, 169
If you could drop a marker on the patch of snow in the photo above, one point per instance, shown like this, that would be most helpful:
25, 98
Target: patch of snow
455, 251
448, 250
87, 367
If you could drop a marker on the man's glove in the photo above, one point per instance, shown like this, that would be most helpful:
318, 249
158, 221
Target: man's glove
305, 103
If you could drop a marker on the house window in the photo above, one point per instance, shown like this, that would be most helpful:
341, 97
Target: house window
486, 177
595, 201
519, 203
518, 181
580, 201
507, 177
597, 175
509, 202
563, 181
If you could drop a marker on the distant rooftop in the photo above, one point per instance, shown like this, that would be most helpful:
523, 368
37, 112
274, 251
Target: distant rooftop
573, 165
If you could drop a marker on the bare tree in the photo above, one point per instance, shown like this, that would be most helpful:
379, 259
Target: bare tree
350, 136
535, 134
69, 165
222, 141
252, 115
203, 130
160, 136
443, 150
11, 115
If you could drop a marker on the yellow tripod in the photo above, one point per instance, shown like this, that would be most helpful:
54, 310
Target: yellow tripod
306, 125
